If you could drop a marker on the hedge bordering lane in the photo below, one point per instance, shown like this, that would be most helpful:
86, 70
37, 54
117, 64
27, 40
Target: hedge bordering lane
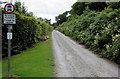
99, 31
26, 33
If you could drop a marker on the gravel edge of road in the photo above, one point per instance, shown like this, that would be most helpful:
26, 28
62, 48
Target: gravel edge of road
54, 49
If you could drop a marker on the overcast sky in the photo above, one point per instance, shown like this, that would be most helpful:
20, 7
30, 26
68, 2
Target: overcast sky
48, 8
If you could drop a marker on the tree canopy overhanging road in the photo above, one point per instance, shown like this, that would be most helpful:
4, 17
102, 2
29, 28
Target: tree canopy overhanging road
73, 60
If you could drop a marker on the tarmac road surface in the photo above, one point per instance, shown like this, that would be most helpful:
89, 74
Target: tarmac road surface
73, 60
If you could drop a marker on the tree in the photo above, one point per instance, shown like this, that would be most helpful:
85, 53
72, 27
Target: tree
54, 25
62, 18
20, 8
97, 6
30, 14
40, 18
114, 5
24, 9
78, 8
45, 20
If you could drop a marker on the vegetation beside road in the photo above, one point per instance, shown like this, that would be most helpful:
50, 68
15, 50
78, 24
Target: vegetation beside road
26, 32
34, 62
97, 28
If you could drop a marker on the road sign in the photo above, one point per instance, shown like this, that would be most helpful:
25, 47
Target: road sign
9, 19
9, 35
9, 8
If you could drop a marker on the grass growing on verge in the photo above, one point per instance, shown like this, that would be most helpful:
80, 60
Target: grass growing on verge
0, 68
34, 62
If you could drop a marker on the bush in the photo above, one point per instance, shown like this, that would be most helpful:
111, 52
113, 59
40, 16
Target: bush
26, 32
99, 31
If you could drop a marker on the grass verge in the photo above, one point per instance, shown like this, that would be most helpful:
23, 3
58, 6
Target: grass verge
34, 62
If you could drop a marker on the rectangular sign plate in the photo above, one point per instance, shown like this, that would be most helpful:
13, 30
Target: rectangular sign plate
9, 35
9, 19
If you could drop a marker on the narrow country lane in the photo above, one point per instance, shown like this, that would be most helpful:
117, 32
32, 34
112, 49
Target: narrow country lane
73, 60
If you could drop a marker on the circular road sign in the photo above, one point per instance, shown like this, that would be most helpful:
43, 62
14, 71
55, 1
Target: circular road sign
9, 8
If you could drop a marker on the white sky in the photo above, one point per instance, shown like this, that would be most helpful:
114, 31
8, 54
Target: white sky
48, 8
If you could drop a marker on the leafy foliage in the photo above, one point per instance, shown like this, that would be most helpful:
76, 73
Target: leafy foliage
99, 31
114, 5
21, 8
78, 8
61, 18
97, 6
26, 32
